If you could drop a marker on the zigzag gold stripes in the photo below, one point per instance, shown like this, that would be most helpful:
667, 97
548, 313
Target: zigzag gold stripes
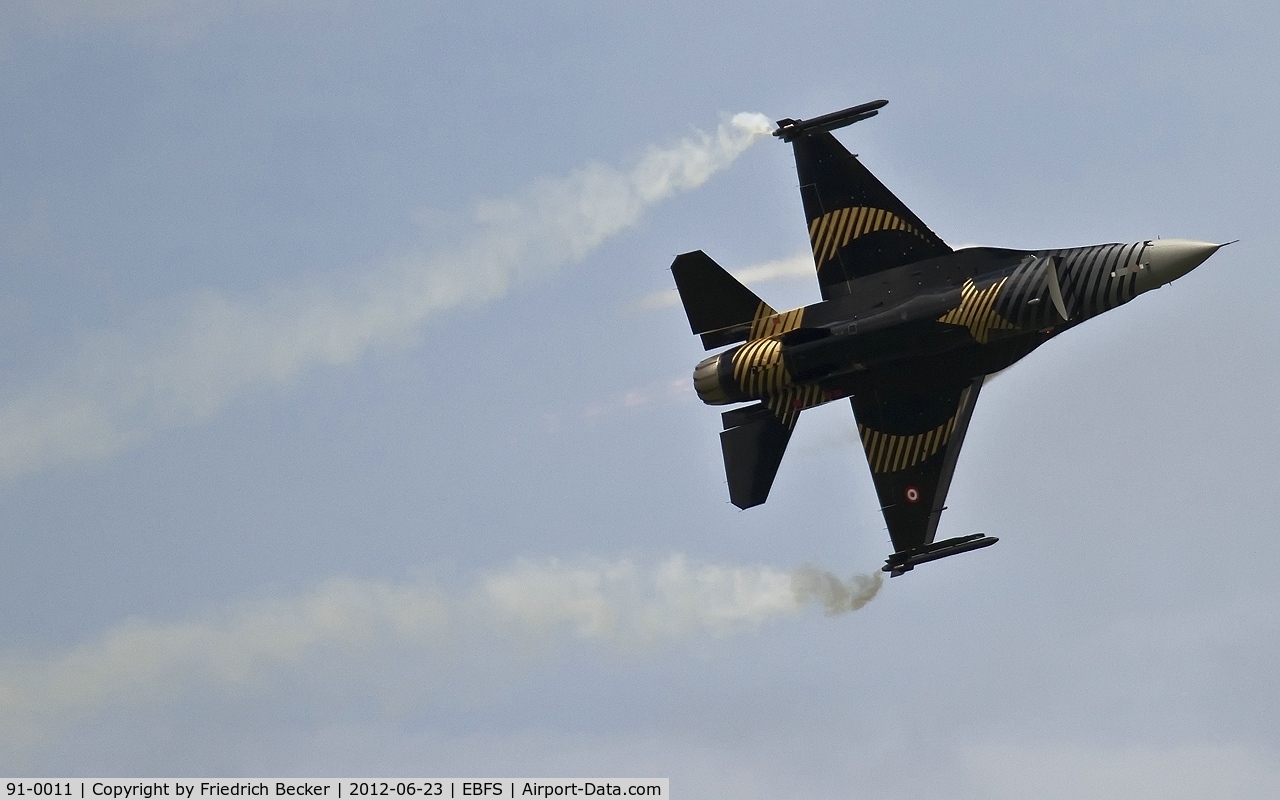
832, 231
788, 404
976, 311
768, 323
758, 369
889, 453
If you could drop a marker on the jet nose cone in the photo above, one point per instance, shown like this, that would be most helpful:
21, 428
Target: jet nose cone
1170, 259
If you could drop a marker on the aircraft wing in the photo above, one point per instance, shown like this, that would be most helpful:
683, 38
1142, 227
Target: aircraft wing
856, 225
912, 439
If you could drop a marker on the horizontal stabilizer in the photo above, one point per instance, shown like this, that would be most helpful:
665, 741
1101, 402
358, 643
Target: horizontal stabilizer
715, 302
753, 444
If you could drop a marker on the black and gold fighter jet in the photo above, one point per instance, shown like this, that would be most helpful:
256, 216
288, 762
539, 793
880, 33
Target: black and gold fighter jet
908, 329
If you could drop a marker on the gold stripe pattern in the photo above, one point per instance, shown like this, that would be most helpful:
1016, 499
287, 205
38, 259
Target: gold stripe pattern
759, 371
977, 312
832, 231
758, 368
787, 404
887, 452
767, 323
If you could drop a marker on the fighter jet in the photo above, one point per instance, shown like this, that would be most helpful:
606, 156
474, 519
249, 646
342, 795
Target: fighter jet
908, 330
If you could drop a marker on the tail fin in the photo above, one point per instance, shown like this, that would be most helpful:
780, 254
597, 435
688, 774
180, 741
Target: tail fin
719, 307
753, 444
856, 225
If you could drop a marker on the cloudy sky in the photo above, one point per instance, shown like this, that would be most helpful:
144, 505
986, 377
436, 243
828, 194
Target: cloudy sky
346, 425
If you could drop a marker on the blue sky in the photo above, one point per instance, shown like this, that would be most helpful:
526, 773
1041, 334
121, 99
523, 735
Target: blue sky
341, 432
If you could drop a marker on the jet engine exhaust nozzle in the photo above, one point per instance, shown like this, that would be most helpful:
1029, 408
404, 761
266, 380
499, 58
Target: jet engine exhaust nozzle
706, 381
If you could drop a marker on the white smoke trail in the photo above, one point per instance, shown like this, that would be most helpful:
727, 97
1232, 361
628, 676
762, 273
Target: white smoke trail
367, 625
836, 596
121, 386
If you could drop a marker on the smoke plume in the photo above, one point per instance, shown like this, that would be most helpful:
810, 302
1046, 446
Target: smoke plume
121, 386
836, 596
361, 629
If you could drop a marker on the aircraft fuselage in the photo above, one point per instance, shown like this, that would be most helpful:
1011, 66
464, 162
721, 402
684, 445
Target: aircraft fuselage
963, 315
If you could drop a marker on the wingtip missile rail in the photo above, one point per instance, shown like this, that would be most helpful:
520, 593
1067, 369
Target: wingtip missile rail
791, 129
907, 560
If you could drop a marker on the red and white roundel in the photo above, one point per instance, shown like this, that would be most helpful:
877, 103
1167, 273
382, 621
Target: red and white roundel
913, 494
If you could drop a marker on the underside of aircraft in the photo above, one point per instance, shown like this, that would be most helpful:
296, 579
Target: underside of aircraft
908, 329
